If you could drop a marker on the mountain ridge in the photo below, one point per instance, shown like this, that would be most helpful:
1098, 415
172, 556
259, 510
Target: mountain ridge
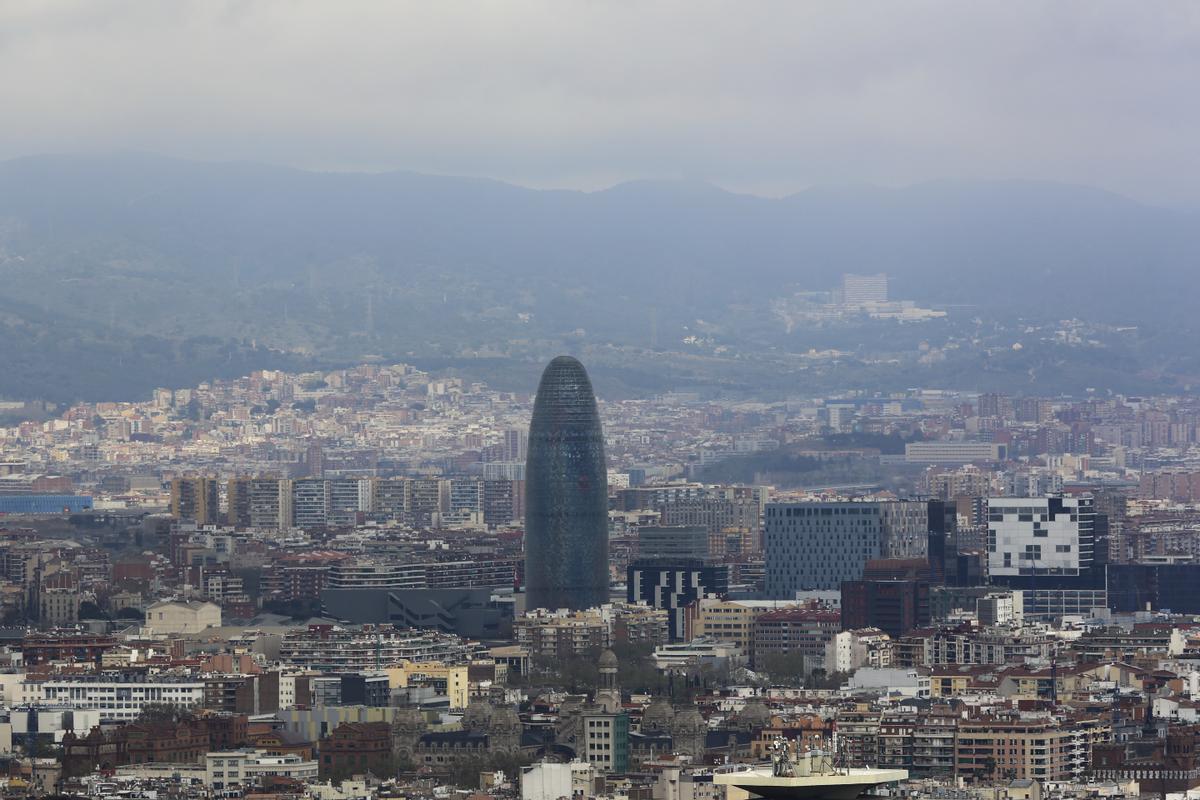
332, 265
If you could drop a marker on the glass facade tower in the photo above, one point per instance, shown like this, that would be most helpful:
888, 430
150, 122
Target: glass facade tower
566, 494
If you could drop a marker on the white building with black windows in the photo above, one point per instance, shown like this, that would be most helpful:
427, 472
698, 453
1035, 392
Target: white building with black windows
1052, 548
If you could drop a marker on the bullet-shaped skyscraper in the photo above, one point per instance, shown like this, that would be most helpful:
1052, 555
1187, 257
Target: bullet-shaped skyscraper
566, 493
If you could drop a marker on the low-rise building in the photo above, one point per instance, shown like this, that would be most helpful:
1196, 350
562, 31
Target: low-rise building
847, 651
174, 616
119, 698
235, 770
795, 630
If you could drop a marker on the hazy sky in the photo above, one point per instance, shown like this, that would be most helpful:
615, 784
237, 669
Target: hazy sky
758, 96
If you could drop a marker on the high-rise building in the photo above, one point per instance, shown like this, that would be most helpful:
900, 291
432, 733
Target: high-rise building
389, 496
270, 503
466, 494
1055, 549
1048, 536
566, 493
314, 460
860, 289
499, 502
425, 497
310, 503
515, 442
237, 495
893, 606
195, 499
348, 498
820, 545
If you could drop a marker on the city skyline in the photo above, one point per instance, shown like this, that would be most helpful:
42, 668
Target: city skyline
574, 400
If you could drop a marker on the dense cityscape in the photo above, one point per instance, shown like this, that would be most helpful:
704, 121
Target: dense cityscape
374, 582
585, 400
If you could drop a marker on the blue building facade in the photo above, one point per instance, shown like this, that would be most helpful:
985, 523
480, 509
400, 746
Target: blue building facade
566, 493
44, 503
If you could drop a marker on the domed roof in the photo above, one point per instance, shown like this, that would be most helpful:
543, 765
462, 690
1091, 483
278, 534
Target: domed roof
608, 659
754, 714
476, 717
409, 718
504, 719
689, 720
658, 716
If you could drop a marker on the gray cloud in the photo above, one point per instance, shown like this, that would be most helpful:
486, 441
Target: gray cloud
759, 96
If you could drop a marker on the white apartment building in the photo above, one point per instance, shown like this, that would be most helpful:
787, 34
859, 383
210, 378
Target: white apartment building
851, 650
1001, 608
117, 700
229, 771
698, 651
545, 781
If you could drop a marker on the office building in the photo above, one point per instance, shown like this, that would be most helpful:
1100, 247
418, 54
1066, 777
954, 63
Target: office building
945, 452
723, 620
821, 545
117, 698
1052, 548
674, 585
893, 606
1052, 536
45, 504
467, 612
230, 772
566, 493
679, 541
1154, 587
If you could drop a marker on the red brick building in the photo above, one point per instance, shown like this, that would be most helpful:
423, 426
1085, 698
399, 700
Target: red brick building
356, 747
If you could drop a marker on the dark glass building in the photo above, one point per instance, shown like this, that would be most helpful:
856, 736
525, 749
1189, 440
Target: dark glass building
673, 585
566, 494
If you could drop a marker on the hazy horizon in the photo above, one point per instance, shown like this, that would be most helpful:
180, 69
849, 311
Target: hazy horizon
765, 99
104, 155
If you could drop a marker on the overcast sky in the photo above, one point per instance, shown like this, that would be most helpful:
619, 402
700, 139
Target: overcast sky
756, 96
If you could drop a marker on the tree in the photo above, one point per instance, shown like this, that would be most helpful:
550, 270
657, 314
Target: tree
89, 610
574, 673
832, 680
464, 772
785, 669
165, 713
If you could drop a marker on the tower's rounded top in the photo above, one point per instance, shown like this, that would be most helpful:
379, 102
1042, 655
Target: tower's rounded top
567, 367
608, 660
564, 389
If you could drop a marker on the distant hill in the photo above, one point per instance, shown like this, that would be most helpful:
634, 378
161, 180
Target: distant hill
110, 266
